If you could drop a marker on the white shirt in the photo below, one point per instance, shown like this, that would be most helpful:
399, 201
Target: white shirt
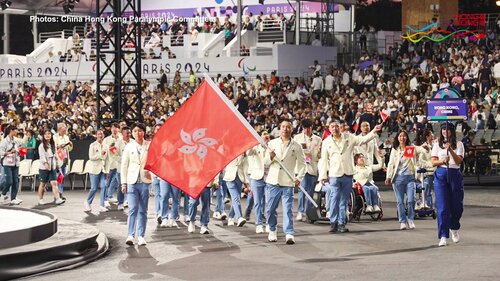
317, 84
329, 79
441, 153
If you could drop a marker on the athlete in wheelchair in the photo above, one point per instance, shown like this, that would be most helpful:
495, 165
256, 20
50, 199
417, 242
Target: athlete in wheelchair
365, 198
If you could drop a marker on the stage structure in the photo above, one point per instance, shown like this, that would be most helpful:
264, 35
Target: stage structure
119, 60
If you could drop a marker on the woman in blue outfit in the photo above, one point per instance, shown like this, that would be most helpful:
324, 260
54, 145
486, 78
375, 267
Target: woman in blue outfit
447, 155
205, 208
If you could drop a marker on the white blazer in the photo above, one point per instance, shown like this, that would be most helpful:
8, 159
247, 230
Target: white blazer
311, 146
291, 157
394, 159
133, 161
370, 151
365, 174
96, 159
256, 167
337, 157
239, 166
113, 161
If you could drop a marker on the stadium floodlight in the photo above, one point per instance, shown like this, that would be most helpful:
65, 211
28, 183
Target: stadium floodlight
498, 3
5, 4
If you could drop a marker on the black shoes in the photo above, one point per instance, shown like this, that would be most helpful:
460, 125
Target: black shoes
334, 228
343, 229
338, 228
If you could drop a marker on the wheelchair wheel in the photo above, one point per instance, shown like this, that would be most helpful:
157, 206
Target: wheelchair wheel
354, 206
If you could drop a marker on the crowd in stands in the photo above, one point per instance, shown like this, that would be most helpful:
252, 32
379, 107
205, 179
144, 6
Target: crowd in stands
353, 93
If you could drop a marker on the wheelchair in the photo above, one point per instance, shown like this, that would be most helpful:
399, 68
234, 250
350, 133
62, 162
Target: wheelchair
421, 209
356, 205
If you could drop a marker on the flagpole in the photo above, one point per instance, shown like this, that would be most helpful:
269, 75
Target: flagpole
254, 133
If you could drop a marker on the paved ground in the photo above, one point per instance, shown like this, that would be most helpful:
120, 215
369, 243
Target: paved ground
372, 251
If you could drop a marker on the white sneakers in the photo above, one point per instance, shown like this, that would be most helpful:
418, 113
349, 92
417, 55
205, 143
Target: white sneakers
41, 202
204, 230
191, 227
369, 209
58, 201
376, 209
299, 216
454, 235
165, 223
120, 207
411, 224
259, 229
141, 241
290, 240
130, 240
241, 222
272, 237
219, 216
15, 202
112, 200
86, 207
402, 226
268, 229
103, 209
442, 242
230, 222
106, 204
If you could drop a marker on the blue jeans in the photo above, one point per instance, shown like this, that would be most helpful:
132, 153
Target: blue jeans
61, 185
308, 184
185, 210
168, 191
449, 188
405, 184
138, 197
258, 187
234, 188
96, 181
221, 194
285, 193
371, 194
11, 181
205, 208
250, 202
156, 191
429, 187
340, 189
112, 182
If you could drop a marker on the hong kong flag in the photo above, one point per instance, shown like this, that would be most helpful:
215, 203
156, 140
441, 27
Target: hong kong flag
409, 152
199, 140
384, 116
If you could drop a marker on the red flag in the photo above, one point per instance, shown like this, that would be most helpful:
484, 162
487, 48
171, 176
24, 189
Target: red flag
326, 134
199, 140
61, 153
355, 126
60, 177
23, 151
409, 152
383, 116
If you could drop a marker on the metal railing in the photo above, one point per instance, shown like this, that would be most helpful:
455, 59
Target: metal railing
65, 33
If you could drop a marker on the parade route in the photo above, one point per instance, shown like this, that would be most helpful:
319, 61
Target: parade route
371, 251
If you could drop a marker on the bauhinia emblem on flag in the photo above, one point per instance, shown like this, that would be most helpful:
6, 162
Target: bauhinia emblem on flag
197, 143
409, 152
199, 140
